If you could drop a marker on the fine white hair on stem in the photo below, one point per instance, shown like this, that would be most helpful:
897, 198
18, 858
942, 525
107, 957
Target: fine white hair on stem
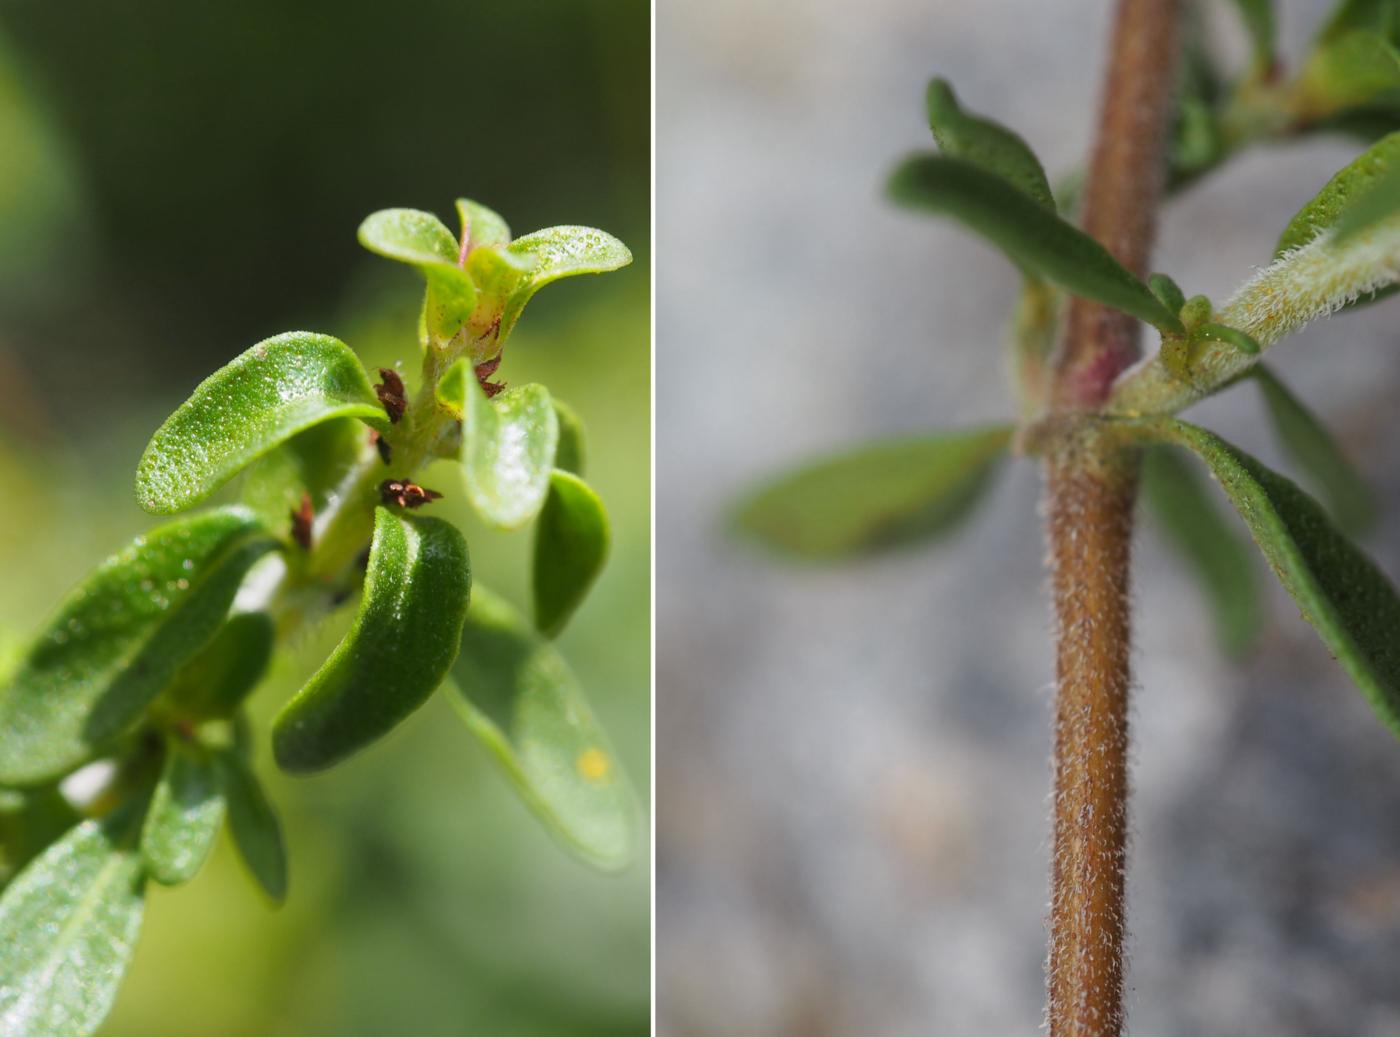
1298, 287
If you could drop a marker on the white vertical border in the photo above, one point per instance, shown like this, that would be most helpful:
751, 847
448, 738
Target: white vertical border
651, 820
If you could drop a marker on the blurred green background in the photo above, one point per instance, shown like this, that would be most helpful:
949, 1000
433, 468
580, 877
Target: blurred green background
178, 181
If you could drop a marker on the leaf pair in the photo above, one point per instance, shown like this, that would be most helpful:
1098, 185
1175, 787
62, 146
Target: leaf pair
485, 278
120, 638
992, 182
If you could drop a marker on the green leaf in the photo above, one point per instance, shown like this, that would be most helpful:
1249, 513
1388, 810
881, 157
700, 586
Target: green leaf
1379, 16
1210, 331
1258, 18
68, 926
120, 637
1351, 69
397, 652
1033, 237
879, 495
186, 811
420, 240
1167, 292
256, 830
984, 143
280, 387
1311, 447
1329, 204
519, 697
481, 226
571, 544
508, 448
215, 682
1191, 522
570, 454
560, 252
1378, 202
1341, 593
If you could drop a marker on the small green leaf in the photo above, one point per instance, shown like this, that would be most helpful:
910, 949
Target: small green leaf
215, 682
397, 652
120, 637
508, 447
256, 830
1378, 202
570, 454
1192, 523
1351, 69
481, 226
879, 495
186, 811
1033, 237
420, 240
1167, 292
571, 544
68, 926
560, 252
1213, 332
1311, 447
1341, 593
280, 387
519, 697
984, 143
1351, 183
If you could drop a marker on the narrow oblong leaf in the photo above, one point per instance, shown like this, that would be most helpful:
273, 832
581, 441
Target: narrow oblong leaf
120, 637
186, 811
1214, 332
1308, 444
508, 448
876, 496
984, 143
1032, 236
399, 649
1352, 69
571, 545
1350, 603
1325, 208
68, 926
1378, 202
421, 240
571, 453
557, 252
256, 830
481, 226
280, 387
517, 695
216, 681
1220, 560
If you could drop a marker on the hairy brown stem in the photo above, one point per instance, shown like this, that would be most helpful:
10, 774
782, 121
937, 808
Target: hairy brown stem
1091, 486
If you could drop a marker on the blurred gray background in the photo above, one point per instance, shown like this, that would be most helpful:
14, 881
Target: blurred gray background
853, 763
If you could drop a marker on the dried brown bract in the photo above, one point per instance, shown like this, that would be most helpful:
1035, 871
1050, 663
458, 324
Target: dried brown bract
406, 494
390, 391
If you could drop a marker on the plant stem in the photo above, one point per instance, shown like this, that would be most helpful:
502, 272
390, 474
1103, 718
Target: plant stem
1091, 484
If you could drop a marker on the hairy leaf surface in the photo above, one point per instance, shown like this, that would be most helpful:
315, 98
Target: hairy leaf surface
1325, 208
280, 387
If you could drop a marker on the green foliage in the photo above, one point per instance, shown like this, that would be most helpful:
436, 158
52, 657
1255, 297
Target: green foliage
1377, 203
876, 496
68, 925
1222, 564
1340, 193
280, 387
508, 447
571, 545
1346, 70
984, 143
519, 697
119, 638
1348, 600
185, 814
1258, 18
398, 651
149, 662
1311, 447
1036, 239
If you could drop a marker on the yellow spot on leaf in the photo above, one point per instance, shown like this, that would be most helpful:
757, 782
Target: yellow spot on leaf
593, 764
